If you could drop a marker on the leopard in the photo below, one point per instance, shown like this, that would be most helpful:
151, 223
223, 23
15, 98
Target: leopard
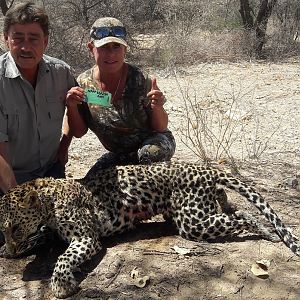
84, 211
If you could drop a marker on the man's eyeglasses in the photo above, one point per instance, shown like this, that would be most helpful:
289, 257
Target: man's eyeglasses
99, 33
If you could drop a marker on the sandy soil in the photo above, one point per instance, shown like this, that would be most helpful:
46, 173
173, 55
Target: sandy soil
268, 109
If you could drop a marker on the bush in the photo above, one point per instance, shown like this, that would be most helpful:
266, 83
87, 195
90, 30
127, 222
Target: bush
167, 33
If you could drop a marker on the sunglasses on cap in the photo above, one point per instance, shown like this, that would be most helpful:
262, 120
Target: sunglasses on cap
99, 33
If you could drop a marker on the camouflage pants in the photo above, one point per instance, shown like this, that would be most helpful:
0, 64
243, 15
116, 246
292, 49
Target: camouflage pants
157, 147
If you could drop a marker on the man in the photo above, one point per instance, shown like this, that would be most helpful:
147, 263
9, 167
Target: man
33, 87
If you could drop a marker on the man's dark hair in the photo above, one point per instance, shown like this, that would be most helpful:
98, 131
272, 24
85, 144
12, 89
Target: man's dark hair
27, 12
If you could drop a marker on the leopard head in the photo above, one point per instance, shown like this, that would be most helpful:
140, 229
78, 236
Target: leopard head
20, 219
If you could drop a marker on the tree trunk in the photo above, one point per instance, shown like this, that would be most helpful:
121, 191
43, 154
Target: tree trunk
245, 11
261, 23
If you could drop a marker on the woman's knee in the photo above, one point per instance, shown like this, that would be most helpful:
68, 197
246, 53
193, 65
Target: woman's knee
154, 153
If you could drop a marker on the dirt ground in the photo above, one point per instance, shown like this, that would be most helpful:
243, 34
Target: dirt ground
269, 93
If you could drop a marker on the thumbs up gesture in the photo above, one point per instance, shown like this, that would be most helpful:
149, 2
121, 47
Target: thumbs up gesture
156, 97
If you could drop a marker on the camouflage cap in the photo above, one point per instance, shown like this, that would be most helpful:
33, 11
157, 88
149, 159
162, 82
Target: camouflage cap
107, 22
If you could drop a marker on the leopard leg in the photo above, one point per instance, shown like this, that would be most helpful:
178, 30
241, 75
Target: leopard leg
63, 282
222, 199
219, 225
253, 225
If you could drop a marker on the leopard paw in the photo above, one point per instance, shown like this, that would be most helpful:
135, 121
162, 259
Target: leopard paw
64, 285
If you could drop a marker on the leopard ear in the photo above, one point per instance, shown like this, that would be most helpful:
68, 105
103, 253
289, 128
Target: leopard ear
31, 200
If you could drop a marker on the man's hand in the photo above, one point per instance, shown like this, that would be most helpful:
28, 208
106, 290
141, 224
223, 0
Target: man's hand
7, 176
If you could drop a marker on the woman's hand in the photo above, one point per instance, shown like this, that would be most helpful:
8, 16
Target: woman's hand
74, 96
156, 96
158, 116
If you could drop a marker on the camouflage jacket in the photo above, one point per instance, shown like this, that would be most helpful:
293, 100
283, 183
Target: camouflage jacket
123, 127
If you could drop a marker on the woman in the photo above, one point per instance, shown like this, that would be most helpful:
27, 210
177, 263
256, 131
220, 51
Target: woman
119, 103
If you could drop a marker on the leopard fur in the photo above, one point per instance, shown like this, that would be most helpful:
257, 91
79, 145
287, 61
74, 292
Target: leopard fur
114, 200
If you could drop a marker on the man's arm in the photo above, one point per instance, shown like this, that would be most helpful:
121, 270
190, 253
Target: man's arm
7, 177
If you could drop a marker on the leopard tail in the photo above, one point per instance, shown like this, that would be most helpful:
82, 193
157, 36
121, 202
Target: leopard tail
255, 198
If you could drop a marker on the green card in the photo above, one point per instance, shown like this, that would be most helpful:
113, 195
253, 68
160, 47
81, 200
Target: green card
94, 96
